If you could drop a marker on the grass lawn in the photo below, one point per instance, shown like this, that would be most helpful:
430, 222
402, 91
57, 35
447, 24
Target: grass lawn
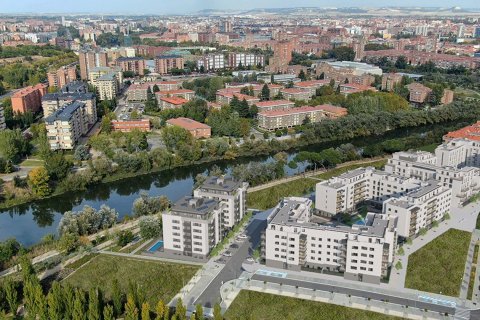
438, 266
429, 147
265, 306
269, 198
159, 280
31, 163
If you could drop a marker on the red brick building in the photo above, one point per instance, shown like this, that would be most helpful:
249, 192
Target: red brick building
197, 129
132, 124
133, 64
29, 98
165, 64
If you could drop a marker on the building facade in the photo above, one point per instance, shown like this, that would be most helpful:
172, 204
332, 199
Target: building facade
132, 64
29, 98
164, 64
197, 129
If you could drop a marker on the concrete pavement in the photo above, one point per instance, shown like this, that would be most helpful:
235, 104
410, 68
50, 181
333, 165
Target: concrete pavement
469, 264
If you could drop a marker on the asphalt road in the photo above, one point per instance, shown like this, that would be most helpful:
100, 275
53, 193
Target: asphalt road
233, 266
357, 293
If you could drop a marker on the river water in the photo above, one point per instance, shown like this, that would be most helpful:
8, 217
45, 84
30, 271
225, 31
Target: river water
28, 223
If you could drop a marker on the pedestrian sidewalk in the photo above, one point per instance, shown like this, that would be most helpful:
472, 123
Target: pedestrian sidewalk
468, 264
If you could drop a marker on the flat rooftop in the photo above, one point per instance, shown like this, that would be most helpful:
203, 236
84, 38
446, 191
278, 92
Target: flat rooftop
195, 206
227, 184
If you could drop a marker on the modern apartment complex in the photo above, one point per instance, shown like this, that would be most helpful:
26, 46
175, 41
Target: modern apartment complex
229, 192
245, 59
74, 91
361, 252
194, 225
164, 64
226, 98
66, 125
212, 62
273, 105
107, 86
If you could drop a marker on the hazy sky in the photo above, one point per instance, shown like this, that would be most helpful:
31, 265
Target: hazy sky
189, 6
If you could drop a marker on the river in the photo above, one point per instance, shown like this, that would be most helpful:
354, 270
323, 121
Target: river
28, 223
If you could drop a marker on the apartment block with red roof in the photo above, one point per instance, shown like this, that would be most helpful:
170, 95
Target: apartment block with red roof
226, 98
287, 118
471, 132
29, 98
131, 124
197, 129
171, 102
274, 105
349, 88
311, 86
182, 93
295, 94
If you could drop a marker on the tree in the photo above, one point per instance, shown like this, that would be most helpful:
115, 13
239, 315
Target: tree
11, 295
401, 63
217, 312
94, 304
265, 94
67, 243
131, 311
69, 300
173, 136
124, 237
145, 311
302, 75
180, 309
82, 153
150, 227
108, 312
13, 145
38, 180
57, 166
146, 205
55, 302
160, 309
199, 312
342, 53
166, 314
117, 297
106, 125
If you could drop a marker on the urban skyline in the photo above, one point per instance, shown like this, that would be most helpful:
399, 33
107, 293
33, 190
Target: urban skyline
193, 6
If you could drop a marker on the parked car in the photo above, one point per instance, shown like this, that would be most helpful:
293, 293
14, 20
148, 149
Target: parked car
227, 254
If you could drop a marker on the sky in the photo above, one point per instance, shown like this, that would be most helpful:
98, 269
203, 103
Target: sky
191, 6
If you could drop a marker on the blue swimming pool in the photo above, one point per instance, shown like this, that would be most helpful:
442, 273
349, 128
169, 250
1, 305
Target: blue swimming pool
156, 246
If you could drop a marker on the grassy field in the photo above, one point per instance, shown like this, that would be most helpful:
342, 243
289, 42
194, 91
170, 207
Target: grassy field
268, 198
258, 305
429, 147
158, 280
31, 163
446, 255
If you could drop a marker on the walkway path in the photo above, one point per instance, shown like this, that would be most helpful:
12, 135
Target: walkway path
460, 218
309, 174
468, 264
153, 258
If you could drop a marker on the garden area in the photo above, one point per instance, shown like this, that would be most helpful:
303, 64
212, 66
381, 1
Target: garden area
446, 257
158, 280
265, 306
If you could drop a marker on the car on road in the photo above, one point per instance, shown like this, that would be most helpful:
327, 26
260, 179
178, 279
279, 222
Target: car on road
234, 246
242, 236
250, 259
227, 254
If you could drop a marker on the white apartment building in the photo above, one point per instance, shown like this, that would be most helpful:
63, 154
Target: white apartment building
245, 59
97, 72
458, 153
107, 86
293, 241
345, 192
212, 61
192, 227
66, 125
463, 182
231, 193
420, 208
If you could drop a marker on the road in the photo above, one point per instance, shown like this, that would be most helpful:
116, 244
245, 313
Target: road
233, 267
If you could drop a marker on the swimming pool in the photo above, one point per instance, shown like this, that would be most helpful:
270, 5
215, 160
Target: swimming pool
156, 246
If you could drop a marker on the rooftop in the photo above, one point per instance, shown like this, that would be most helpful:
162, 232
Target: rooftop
65, 113
187, 123
272, 103
196, 206
471, 132
174, 100
227, 184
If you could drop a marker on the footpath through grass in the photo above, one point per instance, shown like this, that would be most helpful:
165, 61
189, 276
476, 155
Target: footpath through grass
438, 266
159, 280
269, 197
265, 306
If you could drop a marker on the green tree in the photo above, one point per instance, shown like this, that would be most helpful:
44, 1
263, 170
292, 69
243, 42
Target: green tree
55, 302
173, 136
11, 295
57, 166
166, 314
199, 312
265, 94
217, 312
108, 313
150, 227
401, 63
69, 299
131, 311
180, 310
302, 75
68, 242
79, 306
38, 180
106, 125
94, 304
145, 311
160, 309
117, 297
